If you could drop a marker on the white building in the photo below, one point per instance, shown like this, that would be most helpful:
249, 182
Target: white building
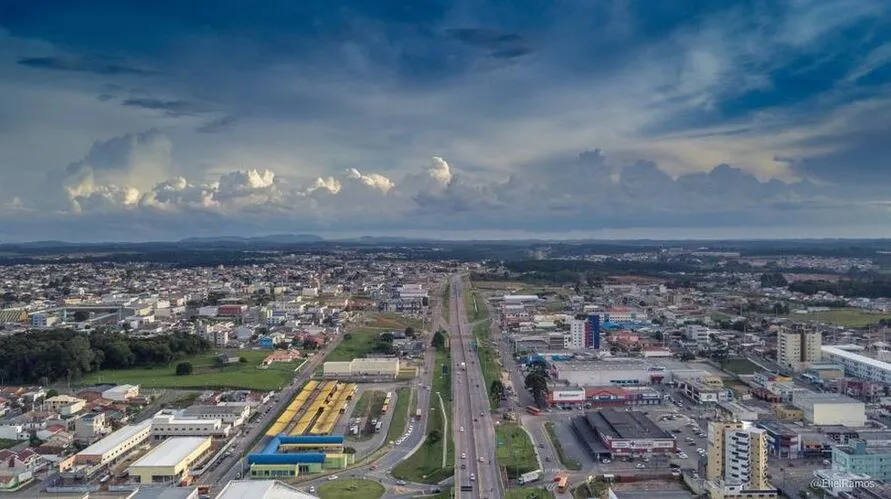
830, 409
14, 432
121, 393
234, 415
575, 340
859, 366
168, 423
362, 367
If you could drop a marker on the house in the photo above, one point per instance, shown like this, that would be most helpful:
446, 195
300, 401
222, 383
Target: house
26, 460
228, 358
267, 342
89, 427
121, 393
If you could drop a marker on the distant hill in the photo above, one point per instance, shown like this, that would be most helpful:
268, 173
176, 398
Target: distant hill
271, 239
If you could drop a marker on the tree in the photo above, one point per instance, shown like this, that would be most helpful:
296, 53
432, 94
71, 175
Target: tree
242, 360
687, 356
496, 391
52, 393
309, 344
410, 332
433, 437
81, 316
537, 384
184, 369
439, 339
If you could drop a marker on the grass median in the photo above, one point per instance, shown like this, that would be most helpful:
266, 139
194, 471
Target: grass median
351, 489
400, 414
476, 309
488, 356
446, 297
514, 450
528, 493
566, 461
425, 465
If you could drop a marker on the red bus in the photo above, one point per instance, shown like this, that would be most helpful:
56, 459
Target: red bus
535, 411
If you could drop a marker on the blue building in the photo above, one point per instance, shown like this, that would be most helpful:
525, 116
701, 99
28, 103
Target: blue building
862, 460
592, 332
267, 342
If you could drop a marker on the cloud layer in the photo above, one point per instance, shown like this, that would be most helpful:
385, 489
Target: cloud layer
476, 116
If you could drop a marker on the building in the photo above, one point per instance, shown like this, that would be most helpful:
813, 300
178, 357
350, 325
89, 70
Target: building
859, 366
830, 409
362, 367
169, 423
782, 440
234, 415
121, 393
584, 333
169, 462
567, 396
629, 433
861, 459
90, 426
797, 348
265, 489
737, 461
274, 461
115, 445
702, 392
610, 371
65, 405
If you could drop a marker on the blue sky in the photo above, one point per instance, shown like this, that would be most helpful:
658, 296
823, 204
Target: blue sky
575, 118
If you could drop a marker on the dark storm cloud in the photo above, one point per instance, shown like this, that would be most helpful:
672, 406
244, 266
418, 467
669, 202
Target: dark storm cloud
84, 65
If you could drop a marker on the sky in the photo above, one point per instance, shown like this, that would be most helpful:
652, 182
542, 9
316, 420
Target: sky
138, 121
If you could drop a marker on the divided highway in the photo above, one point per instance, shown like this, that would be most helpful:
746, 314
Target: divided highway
472, 420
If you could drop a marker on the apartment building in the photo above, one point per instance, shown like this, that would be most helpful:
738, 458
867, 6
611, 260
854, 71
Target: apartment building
737, 461
859, 366
797, 348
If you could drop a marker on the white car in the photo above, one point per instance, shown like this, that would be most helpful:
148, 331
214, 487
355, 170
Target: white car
605, 461
332, 478
461, 429
463, 456
472, 477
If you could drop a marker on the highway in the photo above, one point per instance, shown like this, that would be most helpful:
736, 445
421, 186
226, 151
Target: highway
474, 428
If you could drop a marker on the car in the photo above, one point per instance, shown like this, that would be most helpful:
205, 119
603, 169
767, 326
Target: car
400, 482
605, 461
463, 456
640, 466
312, 489
332, 478
463, 466
472, 477
461, 429
482, 459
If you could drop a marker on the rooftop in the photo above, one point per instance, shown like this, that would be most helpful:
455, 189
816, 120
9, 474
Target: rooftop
878, 364
809, 397
624, 425
261, 489
115, 439
170, 452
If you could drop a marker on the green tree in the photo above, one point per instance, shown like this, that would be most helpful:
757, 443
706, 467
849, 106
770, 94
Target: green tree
433, 437
537, 384
410, 332
184, 369
52, 393
81, 315
439, 339
496, 391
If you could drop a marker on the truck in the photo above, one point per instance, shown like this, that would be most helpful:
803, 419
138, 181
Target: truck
463, 366
529, 477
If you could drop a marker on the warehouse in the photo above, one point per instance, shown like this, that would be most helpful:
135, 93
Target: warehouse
170, 461
362, 367
115, 445
830, 409
170, 423
614, 371
629, 433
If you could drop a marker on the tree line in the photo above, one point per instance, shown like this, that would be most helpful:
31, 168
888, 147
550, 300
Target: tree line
65, 354
860, 288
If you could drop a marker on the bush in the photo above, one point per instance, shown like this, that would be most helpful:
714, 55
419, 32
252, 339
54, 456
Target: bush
184, 369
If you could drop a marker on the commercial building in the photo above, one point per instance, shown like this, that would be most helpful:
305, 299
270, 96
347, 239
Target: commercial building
609, 371
797, 348
567, 396
274, 462
234, 415
121, 393
782, 440
265, 489
169, 423
584, 332
862, 459
737, 461
830, 409
859, 366
170, 461
628, 433
362, 367
115, 445
702, 392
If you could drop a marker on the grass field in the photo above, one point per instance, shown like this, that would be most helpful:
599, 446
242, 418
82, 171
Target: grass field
488, 357
206, 374
514, 450
400, 413
351, 489
506, 286
5, 444
446, 299
845, 317
528, 493
356, 343
593, 489
567, 462
425, 465
476, 308
740, 366
394, 321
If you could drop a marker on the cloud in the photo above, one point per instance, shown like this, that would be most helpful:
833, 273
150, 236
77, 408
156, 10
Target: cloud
171, 107
85, 65
219, 125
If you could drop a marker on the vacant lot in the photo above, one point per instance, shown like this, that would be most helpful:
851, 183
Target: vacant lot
567, 462
514, 450
845, 317
425, 465
206, 374
740, 366
356, 343
351, 489
394, 321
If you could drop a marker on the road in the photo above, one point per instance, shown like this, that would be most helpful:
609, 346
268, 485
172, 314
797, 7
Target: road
474, 440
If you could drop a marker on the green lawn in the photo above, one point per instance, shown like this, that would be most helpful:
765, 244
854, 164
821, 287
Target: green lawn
528, 493
425, 465
5, 444
476, 308
488, 357
566, 461
845, 317
514, 450
446, 296
740, 366
206, 374
400, 413
351, 489
394, 321
593, 489
356, 343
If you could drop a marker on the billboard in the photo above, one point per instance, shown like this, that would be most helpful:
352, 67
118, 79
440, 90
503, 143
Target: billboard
568, 396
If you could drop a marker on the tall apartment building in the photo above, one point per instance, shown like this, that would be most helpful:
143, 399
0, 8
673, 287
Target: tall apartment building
584, 332
737, 461
798, 347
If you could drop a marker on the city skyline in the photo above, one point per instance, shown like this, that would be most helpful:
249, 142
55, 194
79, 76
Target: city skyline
456, 120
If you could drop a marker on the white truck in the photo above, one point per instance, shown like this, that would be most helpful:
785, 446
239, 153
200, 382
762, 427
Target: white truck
529, 477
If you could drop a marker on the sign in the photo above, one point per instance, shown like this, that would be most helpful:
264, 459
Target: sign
569, 396
655, 369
